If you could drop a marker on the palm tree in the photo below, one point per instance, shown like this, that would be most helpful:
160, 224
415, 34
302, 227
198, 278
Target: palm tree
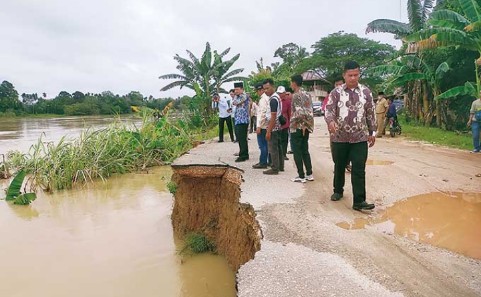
209, 72
418, 13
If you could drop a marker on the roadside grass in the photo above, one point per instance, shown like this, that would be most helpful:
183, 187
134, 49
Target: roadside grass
454, 139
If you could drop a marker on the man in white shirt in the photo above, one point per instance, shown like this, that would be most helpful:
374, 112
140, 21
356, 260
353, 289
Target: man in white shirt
223, 105
262, 127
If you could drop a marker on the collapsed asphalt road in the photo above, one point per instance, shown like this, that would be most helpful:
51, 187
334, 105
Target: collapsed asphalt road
305, 252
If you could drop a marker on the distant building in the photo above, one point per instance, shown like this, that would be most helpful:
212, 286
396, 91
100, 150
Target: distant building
315, 85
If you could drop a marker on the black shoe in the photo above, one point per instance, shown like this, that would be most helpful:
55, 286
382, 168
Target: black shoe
220, 141
336, 197
270, 172
286, 159
235, 141
363, 206
236, 154
241, 159
259, 166
281, 169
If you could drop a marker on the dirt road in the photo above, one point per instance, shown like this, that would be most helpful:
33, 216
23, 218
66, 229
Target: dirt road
304, 252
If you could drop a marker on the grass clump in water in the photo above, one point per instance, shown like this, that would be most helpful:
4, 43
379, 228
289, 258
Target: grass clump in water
196, 243
172, 187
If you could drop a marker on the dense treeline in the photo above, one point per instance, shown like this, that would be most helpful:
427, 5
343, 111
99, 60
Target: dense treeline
78, 103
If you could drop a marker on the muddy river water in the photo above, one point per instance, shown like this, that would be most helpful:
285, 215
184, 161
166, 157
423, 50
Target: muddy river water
105, 239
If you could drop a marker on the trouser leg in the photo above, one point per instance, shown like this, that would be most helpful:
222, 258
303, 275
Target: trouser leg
306, 157
358, 156
340, 153
274, 150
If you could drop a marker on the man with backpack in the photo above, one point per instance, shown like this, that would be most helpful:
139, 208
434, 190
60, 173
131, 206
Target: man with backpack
273, 137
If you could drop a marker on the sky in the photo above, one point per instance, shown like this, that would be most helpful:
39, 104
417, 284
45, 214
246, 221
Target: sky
125, 45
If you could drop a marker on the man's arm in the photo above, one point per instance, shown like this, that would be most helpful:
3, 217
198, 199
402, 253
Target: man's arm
272, 121
471, 114
330, 115
370, 113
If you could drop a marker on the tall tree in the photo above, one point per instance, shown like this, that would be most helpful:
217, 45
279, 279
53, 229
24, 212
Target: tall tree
9, 98
291, 55
209, 72
331, 52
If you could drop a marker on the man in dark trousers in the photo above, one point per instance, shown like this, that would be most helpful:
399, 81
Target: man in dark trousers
351, 120
302, 124
241, 118
273, 137
223, 105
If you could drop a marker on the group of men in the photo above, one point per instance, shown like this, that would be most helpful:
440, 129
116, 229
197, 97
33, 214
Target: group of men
349, 114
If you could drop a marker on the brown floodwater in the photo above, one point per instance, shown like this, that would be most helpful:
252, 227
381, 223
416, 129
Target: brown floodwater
105, 239
378, 162
21, 133
448, 220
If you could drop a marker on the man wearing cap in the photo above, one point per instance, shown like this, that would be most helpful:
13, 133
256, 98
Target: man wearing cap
223, 105
381, 109
241, 119
286, 112
262, 127
273, 112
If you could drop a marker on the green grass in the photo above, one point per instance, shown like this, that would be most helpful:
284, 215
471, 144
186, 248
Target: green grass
436, 136
116, 149
195, 243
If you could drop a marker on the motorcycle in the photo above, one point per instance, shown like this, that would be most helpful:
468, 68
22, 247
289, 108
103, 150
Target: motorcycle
394, 127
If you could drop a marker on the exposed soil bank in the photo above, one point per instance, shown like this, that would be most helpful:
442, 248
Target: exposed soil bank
207, 201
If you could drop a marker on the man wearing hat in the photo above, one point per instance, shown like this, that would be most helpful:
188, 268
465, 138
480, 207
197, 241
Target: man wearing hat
241, 120
381, 109
286, 112
262, 127
224, 107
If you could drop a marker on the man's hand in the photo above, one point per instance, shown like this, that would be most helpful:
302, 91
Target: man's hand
332, 127
258, 130
268, 136
469, 123
371, 140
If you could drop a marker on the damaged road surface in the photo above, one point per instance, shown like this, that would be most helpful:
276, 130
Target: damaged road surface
305, 252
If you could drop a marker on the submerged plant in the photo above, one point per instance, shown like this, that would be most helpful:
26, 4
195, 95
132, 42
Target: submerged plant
172, 187
14, 190
196, 243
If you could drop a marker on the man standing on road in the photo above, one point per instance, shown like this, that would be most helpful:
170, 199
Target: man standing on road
241, 118
381, 109
253, 113
351, 122
273, 112
302, 124
475, 123
286, 112
223, 105
232, 112
262, 127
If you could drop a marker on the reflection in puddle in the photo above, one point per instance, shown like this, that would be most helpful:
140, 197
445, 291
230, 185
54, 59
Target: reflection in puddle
107, 239
450, 221
378, 162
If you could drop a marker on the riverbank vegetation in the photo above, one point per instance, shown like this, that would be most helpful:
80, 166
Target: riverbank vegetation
119, 148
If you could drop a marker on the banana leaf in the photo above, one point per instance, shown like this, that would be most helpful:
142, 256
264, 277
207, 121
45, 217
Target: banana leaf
25, 199
15, 186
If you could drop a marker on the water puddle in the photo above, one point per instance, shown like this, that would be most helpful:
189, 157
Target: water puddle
451, 221
107, 239
378, 162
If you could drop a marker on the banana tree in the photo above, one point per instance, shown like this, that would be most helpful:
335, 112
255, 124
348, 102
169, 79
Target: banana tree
449, 28
421, 77
209, 72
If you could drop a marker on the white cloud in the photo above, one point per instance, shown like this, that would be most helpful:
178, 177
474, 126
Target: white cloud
93, 46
